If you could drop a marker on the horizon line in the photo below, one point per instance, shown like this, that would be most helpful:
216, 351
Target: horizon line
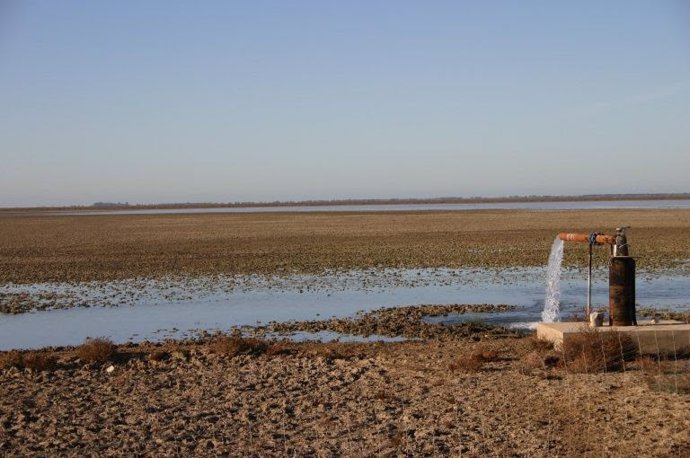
364, 201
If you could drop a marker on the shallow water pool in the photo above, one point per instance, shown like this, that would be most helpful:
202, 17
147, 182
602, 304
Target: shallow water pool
138, 310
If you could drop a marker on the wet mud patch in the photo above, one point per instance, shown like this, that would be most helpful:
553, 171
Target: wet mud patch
406, 322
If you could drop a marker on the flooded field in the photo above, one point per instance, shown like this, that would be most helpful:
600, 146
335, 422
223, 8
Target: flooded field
138, 277
137, 310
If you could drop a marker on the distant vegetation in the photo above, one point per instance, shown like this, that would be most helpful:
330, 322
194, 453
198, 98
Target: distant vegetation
110, 205
403, 201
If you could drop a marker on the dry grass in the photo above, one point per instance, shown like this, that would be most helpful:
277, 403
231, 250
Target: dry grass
540, 356
11, 359
96, 350
663, 374
159, 355
593, 351
473, 362
81, 248
488, 356
35, 360
539, 345
669, 383
281, 348
40, 361
530, 362
466, 363
235, 345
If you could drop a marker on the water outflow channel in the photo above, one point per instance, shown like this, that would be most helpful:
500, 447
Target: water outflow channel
140, 310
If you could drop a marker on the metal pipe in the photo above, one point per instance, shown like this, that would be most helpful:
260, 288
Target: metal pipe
588, 311
622, 291
621, 274
600, 239
621, 246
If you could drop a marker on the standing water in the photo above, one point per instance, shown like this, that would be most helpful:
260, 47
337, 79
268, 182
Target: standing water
552, 301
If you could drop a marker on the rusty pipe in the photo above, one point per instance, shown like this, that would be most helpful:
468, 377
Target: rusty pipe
600, 239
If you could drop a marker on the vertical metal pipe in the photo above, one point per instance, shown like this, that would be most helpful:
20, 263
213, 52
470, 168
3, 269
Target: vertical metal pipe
622, 291
588, 310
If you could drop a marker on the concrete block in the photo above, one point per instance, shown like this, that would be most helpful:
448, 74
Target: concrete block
665, 336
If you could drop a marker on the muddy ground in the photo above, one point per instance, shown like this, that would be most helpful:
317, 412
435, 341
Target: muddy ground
416, 398
43, 248
462, 390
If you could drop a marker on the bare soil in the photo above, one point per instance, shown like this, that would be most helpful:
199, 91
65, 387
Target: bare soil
416, 398
83, 248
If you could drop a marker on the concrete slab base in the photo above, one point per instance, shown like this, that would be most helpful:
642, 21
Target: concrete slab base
664, 336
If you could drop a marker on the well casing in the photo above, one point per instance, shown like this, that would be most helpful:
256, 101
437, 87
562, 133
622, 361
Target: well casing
622, 291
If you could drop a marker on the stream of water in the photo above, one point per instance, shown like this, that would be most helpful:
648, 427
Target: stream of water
552, 300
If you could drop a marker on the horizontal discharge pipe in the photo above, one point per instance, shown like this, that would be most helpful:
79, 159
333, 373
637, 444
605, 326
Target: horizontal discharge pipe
601, 239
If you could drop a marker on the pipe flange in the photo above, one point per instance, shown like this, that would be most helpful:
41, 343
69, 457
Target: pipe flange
592, 239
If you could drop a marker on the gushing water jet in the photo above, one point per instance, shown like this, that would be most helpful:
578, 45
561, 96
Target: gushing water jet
552, 300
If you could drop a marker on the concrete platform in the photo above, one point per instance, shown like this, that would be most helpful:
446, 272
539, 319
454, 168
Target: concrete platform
665, 336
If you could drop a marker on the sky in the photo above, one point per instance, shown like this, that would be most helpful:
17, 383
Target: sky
224, 101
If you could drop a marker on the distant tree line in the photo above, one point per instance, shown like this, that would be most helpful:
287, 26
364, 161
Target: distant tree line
401, 201
110, 204
408, 201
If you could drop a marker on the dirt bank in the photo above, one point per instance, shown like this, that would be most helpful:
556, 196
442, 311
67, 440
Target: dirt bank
335, 400
474, 391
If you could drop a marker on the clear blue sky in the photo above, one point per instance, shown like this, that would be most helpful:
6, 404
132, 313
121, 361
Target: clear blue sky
169, 101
